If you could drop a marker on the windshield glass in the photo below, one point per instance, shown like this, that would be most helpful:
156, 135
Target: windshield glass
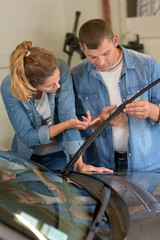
41, 204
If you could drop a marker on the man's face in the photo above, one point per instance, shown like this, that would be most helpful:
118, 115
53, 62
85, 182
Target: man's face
105, 56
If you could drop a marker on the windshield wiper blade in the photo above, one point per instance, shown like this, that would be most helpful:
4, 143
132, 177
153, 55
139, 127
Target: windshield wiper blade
106, 193
102, 126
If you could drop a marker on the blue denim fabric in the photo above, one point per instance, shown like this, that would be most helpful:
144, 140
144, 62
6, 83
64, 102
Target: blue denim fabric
53, 161
138, 71
29, 131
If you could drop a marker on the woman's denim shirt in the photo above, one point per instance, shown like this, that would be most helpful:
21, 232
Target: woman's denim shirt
138, 71
29, 131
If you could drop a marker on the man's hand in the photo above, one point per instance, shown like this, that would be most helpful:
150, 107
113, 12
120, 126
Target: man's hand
142, 109
105, 113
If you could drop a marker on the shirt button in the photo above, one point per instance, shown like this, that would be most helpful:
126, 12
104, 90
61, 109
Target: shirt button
129, 154
124, 100
86, 97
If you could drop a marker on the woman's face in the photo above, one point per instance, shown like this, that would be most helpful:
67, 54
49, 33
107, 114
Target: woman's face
51, 83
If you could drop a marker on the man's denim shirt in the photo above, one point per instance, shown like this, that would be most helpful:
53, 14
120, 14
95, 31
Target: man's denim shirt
29, 131
138, 71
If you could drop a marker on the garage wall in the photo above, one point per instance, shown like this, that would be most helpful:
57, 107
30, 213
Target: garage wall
45, 23
127, 27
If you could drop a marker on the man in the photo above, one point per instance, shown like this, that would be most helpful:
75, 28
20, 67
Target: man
108, 76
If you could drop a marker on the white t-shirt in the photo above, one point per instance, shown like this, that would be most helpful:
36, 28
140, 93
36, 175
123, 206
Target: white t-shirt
121, 132
43, 108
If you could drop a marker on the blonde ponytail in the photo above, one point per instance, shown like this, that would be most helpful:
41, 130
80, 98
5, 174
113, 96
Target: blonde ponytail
20, 86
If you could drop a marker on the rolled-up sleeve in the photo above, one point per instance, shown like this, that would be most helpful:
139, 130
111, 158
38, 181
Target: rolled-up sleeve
66, 109
43, 134
73, 146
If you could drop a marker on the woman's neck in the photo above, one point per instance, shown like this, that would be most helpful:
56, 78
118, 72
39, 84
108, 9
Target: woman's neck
38, 95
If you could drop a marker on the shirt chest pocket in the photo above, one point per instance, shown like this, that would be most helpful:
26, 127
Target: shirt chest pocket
86, 101
136, 89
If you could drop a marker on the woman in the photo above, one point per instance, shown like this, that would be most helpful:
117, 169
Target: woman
39, 100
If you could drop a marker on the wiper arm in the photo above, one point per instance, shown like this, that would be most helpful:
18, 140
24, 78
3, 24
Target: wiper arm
102, 126
100, 210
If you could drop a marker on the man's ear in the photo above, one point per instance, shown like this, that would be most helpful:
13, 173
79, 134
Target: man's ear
115, 40
81, 46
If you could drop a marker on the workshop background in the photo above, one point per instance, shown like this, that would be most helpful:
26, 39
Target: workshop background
46, 22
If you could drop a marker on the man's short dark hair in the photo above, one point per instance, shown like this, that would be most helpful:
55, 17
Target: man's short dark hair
93, 32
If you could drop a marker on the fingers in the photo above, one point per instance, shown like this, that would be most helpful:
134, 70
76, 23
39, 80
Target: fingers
84, 125
138, 108
107, 110
104, 114
117, 120
88, 120
90, 123
136, 104
103, 169
90, 168
110, 108
89, 116
85, 119
77, 124
94, 121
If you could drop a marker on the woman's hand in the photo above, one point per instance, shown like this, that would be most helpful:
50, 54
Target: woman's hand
82, 167
56, 129
75, 123
90, 168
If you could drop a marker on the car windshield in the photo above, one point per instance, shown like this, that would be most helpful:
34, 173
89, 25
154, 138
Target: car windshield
42, 204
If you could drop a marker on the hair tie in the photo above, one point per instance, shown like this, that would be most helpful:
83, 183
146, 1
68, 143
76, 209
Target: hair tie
28, 54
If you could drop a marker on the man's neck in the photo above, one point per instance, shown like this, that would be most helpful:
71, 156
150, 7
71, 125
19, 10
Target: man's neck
119, 58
